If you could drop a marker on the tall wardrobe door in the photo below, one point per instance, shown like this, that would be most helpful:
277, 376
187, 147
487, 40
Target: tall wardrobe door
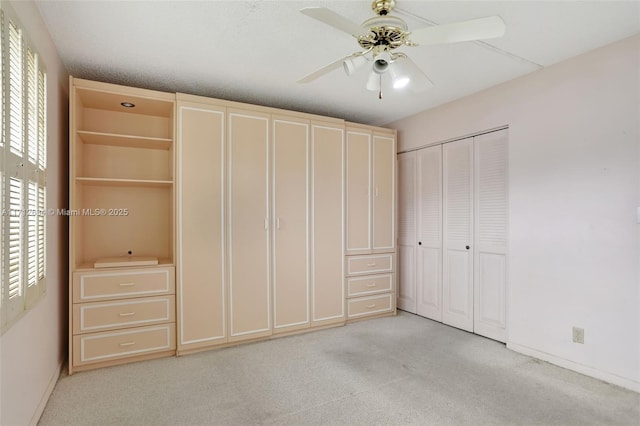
384, 184
490, 234
429, 207
358, 192
457, 274
407, 232
290, 213
249, 223
201, 227
327, 205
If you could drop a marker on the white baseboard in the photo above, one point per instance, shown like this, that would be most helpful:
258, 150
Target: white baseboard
582, 369
45, 397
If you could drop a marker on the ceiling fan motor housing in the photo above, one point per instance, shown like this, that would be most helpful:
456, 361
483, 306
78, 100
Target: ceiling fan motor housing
383, 7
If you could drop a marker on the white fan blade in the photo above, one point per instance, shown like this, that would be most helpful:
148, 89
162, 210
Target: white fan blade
419, 80
475, 29
322, 71
331, 18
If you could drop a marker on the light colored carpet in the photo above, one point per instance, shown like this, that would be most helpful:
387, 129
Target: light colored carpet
389, 371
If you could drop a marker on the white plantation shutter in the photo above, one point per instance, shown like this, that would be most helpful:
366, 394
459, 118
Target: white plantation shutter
16, 94
23, 171
41, 234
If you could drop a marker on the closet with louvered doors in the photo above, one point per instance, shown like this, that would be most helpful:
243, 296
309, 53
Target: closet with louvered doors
453, 233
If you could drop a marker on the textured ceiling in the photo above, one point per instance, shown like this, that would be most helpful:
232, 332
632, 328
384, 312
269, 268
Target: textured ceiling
254, 51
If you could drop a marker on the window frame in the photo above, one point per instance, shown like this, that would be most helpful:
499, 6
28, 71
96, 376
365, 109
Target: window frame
24, 166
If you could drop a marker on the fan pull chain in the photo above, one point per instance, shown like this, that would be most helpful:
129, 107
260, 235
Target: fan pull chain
380, 88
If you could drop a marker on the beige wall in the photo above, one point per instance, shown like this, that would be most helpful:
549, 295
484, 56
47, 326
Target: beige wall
32, 350
574, 191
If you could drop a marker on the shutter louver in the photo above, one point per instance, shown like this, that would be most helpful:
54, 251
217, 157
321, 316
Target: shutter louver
42, 119
32, 108
15, 239
41, 233
32, 234
15, 91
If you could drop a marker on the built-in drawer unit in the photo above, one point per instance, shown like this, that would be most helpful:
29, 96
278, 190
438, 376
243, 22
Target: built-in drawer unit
123, 314
120, 284
112, 345
369, 284
370, 264
101, 316
370, 305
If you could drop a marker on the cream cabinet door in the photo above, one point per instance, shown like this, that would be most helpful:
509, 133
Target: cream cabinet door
201, 226
383, 193
327, 230
248, 225
406, 299
358, 191
290, 218
457, 273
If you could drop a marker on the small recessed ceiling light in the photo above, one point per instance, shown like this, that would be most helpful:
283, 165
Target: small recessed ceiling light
127, 104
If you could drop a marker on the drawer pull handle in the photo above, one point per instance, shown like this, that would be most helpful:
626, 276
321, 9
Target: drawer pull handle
127, 344
127, 314
371, 264
127, 284
371, 285
371, 306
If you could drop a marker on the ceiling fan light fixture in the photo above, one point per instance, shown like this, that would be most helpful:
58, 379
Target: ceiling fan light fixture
382, 62
352, 63
373, 83
401, 82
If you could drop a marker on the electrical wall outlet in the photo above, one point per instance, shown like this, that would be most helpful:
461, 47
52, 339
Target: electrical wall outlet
578, 335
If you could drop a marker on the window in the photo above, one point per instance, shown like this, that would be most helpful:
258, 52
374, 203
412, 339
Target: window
22, 174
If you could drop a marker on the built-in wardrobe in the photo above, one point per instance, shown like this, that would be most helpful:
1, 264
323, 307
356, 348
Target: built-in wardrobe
198, 223
452, 233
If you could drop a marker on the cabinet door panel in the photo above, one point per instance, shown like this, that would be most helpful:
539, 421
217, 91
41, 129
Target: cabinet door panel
458, 226
327, 200
358, 192
290, 236
384, 184
248, 204
201, 227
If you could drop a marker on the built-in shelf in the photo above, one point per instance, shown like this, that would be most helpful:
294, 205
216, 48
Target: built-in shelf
129, 141
123, 182
89, 265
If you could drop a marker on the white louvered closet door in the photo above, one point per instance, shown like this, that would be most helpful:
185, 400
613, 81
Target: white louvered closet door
490, 271
407, 232
429, 208
457, 274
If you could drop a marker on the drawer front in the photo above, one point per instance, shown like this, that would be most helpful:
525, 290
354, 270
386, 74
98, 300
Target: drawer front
361, 286
370, 264
371, 305
118, 284
97, 347
89, 317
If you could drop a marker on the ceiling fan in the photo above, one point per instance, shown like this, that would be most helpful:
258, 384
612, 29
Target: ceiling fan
380, 36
